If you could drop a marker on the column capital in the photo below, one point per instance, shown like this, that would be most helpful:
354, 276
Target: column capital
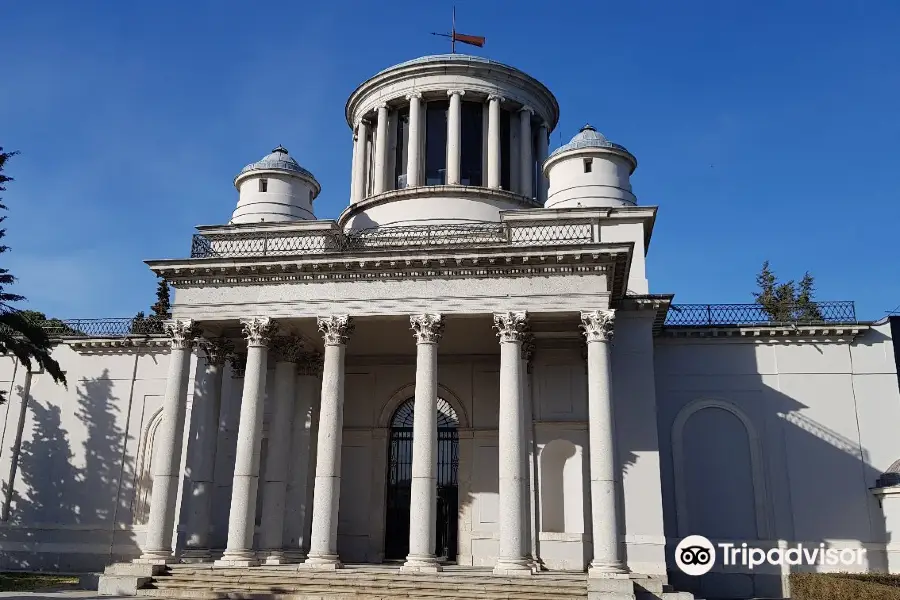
309, 363
382, 106
497, 97
258, 331
526, 108
182, 332
511, 326
458, 92
287, 348
217, 350
427, 328
238, 365
543, 125
335, 329
360, 121
598, 325
416, 95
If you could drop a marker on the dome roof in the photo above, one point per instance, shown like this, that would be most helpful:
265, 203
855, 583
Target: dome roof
588, 137
278, 159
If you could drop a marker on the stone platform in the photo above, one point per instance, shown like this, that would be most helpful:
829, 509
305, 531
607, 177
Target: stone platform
375, 582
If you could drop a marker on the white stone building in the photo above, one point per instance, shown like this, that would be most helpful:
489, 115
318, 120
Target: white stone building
480, 277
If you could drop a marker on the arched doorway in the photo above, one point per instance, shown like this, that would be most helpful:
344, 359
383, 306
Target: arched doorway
396, 542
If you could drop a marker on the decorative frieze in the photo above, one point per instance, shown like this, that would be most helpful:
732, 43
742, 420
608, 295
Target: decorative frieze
258, 331
287, 348
511, 326
598, 325
335, 329
182, 333
217, 350
427, 328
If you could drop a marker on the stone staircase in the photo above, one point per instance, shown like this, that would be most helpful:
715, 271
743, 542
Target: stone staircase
379, 582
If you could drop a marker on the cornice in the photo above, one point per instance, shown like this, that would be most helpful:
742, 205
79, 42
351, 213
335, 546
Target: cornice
111, 344
404, 265
659, 303
824, 332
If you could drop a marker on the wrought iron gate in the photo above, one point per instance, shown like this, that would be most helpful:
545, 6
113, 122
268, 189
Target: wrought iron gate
396, 540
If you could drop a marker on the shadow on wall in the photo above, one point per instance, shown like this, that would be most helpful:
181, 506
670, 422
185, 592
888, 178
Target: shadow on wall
63, 515
750, 462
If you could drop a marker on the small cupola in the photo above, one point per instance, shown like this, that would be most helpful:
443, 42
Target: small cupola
275, 188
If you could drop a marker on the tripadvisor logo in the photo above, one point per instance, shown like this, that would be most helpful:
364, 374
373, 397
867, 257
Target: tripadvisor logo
695, 555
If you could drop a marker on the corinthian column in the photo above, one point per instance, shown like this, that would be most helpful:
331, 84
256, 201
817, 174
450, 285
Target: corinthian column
327, 493
527, 439
454, 136
381, 149
428, 330
415, 141
202, 449
287, 351
493, 153
242, 518
166, 465
513, 560
598, 330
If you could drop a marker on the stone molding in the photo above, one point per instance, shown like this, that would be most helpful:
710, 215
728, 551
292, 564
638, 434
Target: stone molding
258, 331
511, 326
427, 328
456, 91
182, 333
499, 98
335, 329
217, 350
769, 333
287, 348
598, 325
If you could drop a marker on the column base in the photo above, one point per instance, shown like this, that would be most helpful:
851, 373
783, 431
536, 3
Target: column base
321, 562
418, 563
156, 557
274, 557
238, 558
513, 568
294, 556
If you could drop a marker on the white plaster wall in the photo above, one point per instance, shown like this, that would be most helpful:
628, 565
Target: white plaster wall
787, 441
286, 198
630, 232
77, 476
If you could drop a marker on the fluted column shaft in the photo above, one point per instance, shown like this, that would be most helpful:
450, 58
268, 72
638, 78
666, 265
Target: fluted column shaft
202, 447
362, 161
414, 141
526, 169
166, 465
493, 152
454, 136
287, 352
327, 493
598, 330
242, 516
428, 330
381, 149
542, 149
513, 560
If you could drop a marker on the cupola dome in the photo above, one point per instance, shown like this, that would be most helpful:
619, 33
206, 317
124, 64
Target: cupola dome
275, 188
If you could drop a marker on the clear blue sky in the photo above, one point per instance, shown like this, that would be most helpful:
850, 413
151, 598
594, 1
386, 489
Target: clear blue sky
762, 129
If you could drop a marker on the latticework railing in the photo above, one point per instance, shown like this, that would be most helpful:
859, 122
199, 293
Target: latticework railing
102, 328
286, 243
698, 315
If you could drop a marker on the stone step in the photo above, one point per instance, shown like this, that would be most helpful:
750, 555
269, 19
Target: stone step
438, 590
330, 593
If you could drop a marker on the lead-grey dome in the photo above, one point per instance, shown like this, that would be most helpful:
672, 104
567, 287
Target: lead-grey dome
280, 160
589, 137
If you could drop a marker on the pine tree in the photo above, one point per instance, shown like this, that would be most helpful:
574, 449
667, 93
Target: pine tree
786, 302
807, 310
20, 334
163, 307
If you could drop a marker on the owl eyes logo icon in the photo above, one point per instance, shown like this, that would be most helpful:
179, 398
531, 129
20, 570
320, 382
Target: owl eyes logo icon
695, 555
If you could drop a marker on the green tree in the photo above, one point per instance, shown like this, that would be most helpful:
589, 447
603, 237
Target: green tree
53, 327
159, 312
19, 335
788, 301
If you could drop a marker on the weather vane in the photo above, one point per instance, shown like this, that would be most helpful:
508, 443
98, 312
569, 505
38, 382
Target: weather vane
473, 40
